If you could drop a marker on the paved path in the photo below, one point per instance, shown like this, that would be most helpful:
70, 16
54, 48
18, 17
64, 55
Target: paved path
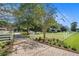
28, 47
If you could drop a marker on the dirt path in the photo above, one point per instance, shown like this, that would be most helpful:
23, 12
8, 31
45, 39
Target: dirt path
28, 47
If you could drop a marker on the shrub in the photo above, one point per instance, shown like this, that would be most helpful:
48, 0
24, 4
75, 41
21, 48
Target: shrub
39, 38
59, 45
3, 46
65, 46
54, 43
69, 47
4, 53
8, 43
57, 40
27, 36
49, 41
53, 39
74, 49
24, 33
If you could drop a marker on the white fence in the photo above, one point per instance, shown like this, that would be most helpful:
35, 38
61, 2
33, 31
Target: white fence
6, 35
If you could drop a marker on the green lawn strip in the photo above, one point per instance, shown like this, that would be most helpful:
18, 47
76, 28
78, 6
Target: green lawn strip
73, 41
59, 35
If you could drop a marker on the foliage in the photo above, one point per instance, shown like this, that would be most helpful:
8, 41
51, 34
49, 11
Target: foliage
36, 16
73, 26
3, 50
3, 23
73, 49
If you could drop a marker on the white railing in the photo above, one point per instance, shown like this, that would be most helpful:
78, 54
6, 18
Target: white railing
4, 35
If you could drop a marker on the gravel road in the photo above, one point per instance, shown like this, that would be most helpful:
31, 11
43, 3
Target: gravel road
28, 47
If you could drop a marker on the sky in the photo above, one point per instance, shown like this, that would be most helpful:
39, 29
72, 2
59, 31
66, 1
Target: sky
70, 11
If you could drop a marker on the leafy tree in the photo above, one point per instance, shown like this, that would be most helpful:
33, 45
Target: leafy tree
3, 23
36, 15
45, 14
27, 15
63, 28
73, 26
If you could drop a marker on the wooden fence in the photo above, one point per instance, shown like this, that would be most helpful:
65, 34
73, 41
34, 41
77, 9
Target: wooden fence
6, 35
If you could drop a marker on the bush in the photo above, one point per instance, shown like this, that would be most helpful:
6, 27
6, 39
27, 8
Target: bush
53, 39
39, 39
74, 49
65, 46
8, 43
4, 53
2, 45
24, 33
57, 40
49, 41
27, 36
59, 45
69, 47
54, 43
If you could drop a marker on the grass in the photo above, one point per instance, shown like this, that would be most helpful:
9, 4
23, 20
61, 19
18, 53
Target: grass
59, 35
73, 41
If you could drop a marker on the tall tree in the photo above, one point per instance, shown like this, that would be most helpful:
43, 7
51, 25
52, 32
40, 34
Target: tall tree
27, 15
37, 14
45, 15
73, 26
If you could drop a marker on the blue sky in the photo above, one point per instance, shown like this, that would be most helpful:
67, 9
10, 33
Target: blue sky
71, 12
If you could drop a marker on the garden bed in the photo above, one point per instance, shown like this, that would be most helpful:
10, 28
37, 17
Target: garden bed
5, 48
56, 43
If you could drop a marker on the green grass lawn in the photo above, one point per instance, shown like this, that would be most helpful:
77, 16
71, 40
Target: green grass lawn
73, 41
59, 35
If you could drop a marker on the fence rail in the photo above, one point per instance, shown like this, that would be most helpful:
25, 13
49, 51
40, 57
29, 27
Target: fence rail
6, 35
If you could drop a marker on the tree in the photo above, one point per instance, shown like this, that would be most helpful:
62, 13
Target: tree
17, 15
63, 28
37, 15
73, 26
6, 14
45, 14
3, 23
27, 15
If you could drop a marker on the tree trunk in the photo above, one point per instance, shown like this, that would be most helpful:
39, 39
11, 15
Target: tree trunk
44, 35
27, 30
